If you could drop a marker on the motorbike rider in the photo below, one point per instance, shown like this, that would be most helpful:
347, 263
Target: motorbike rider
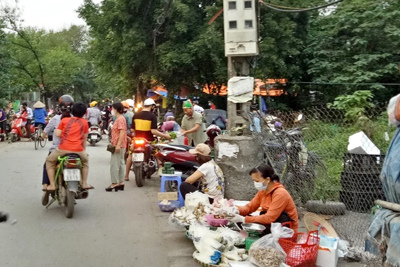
209, 173
128, 115
73, 133
192, 125
3, 122
94, 114
62, 112
276, 203
144, 124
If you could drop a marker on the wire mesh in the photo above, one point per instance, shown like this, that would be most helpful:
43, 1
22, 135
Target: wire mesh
309, 150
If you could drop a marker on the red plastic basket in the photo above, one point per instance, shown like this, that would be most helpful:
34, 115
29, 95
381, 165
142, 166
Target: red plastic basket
301, 255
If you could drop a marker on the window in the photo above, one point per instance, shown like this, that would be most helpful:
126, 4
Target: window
232, 5
233, 24
247, 4
248, 24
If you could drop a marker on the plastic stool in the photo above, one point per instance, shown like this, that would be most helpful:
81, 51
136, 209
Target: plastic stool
172, 177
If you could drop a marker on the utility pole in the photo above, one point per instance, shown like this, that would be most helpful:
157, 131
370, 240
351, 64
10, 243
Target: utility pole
241, 43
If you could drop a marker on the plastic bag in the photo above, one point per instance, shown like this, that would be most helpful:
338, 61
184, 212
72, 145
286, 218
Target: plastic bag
393, 111
266, 251
193, 199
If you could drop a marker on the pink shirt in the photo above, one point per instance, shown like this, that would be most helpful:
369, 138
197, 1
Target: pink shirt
119, 125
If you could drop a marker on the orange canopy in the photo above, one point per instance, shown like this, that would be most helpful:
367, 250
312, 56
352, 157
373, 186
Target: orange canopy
266, 88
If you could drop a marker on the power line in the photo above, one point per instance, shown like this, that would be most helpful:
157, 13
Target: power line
328, 83
295, 10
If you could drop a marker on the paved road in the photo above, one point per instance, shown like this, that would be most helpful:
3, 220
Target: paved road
108, 229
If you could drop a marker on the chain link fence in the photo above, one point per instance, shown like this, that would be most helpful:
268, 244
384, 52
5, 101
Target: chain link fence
309, 151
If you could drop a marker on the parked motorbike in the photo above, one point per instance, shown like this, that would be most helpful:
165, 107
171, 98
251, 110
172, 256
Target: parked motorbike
178, 155
143, 161
68, 183
94, 135
18, 129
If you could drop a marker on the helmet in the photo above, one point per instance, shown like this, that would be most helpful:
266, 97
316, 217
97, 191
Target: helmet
130, 102
93, 103
125, 104
65, 102
149, 102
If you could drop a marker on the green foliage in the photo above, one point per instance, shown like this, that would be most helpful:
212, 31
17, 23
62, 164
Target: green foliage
329, 141
357, 43
355, 105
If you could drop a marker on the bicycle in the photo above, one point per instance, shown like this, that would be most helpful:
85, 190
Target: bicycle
38, 139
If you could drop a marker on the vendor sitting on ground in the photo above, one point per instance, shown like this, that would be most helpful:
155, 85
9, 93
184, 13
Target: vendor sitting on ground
275, 201
209, 174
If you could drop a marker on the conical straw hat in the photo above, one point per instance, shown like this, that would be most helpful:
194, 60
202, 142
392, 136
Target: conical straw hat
314, 222
39, 104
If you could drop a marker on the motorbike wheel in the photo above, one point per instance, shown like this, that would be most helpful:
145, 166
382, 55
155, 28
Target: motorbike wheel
70, 204
41, 139
14, 137
138, 170
92, 143
36, 139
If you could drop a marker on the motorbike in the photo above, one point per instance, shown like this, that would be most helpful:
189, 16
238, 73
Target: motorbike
144, 163
18, 129
68, 184
94, 135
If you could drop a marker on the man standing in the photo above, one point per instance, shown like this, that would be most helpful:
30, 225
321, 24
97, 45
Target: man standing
144, 125
192, 125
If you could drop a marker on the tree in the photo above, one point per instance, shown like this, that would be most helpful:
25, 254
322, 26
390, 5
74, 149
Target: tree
357, 43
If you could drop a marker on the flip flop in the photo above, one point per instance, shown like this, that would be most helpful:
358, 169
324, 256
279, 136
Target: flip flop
49, 191
88, 188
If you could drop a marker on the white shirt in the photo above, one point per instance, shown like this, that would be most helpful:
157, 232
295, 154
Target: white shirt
30, 113
212, 180
198, 109
94, 116
49, 130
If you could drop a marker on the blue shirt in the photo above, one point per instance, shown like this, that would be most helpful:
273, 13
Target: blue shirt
40, 114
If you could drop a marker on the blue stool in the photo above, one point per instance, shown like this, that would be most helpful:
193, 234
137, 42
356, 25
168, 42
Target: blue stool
172, 177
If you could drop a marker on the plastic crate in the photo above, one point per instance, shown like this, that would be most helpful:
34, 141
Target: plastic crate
361, 163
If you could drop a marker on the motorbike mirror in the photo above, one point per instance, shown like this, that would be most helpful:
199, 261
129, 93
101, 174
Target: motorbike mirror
300, 117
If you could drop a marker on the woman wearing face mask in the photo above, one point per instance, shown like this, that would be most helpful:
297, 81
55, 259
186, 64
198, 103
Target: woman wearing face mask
275, 201
118, 139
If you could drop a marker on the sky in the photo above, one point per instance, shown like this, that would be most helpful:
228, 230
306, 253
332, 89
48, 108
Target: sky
49, 14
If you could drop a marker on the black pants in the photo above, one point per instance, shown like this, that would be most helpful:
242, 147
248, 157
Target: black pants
28, 128
39, 123
284, 217
186, 188
3, 126
45, 179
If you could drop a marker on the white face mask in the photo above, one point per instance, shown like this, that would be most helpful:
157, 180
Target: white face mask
112, 112
260, 186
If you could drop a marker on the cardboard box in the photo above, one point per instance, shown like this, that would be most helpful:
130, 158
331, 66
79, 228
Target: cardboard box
327, 251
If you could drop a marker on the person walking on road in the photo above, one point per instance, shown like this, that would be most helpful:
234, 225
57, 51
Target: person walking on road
118, 140
192, 125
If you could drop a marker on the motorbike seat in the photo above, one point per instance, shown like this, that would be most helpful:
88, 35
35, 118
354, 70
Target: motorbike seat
72, 155
183, 146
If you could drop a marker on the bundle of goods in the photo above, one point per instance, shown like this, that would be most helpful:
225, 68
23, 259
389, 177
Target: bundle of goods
168, 205
216, 247
168, 169
185, 216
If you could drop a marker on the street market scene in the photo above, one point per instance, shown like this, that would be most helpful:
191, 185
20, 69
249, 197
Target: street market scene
200, 133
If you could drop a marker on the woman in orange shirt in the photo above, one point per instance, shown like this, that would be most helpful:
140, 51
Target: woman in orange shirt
275, 201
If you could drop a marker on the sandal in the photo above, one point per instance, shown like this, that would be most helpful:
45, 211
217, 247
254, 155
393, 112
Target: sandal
88, 188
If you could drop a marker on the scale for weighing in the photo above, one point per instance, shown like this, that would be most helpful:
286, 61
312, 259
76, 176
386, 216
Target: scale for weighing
254, 230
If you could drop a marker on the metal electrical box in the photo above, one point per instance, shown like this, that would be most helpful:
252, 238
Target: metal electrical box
240, 27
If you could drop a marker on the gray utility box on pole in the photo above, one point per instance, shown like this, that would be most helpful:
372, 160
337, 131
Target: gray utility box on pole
240, 27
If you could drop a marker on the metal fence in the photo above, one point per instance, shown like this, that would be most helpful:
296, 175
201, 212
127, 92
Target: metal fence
309, 151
